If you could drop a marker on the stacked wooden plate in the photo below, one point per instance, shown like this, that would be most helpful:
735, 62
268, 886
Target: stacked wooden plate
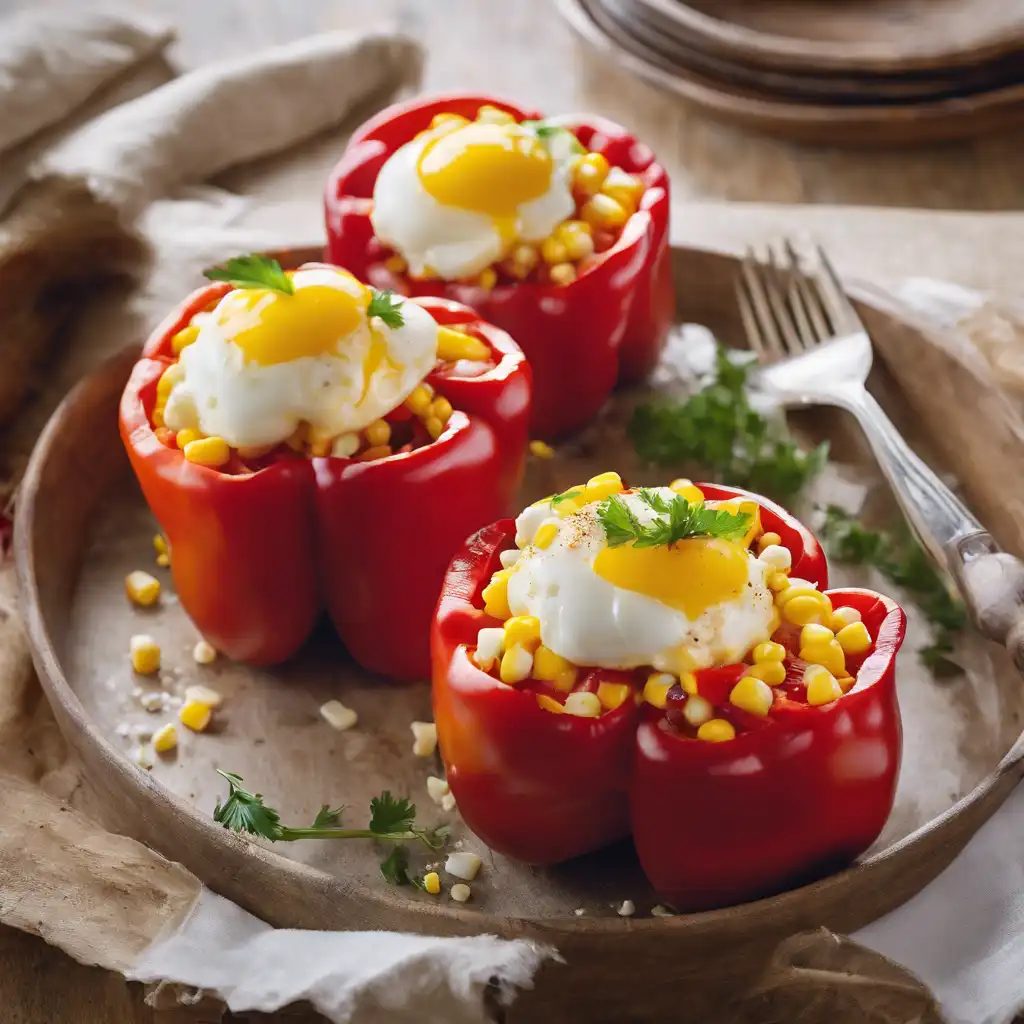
848, 72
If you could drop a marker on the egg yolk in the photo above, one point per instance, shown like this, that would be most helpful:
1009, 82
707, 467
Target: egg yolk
491, 169
690, 576
270, 327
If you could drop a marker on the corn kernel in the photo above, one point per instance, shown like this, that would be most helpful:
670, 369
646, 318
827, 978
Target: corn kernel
752, 695
337, 716
145, 654
777, 582
488, 278
697, 711
174, 374
495, 596
582, 704
454, 345
542, 450
623, 187
562, 274
448, 802
772, 672
576, 237
163, 561
160, 544
604, 212
843, 617
378, 451
769, 651
800, 588
419, 400
687, 489
186, 437
442, 409
822, 686
776, 557
815, 633
437, 789
547, 703
185, 337
195, 716
204, 695
553, 252
516, 664
768, 540
432, 882
602, 486
656, 688
164, 435
490, 642
854, 638
210, 451
718, 730
424, 738
489, 114
802, 610
545, 535
435, 428
463, 864
549, 666
165, 739
523, 630
566, 680
345, 446
461, 892
829, 655
142, 589
396, 265
445, 118
846, 683
523, 259
613, 695
590, 173
378, 432
688, 681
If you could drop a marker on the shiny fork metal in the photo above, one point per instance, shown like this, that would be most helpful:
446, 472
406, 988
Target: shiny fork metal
814, 350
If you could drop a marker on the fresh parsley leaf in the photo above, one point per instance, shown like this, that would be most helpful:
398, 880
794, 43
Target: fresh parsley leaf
328, 817
557, 499
676, 520
619, 522
243, 811
389, 814
654, 499
387, 307
253, 271
395, 867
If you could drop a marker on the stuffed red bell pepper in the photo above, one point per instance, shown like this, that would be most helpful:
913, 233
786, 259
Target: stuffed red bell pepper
667, 662
306, 442
555, 230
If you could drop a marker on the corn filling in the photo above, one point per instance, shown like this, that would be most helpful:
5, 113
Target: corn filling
812, 658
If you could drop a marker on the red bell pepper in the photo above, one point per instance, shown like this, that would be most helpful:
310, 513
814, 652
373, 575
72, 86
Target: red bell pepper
610, 324
804, 790
256, 556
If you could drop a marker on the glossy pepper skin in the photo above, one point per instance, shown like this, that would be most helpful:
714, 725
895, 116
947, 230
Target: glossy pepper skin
257, 557
609, 325
538, 786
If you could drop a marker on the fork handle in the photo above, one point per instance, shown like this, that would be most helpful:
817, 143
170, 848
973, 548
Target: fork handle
991, 581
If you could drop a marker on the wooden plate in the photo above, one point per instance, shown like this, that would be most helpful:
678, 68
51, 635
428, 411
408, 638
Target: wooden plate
82, 526
858, 36
864, 126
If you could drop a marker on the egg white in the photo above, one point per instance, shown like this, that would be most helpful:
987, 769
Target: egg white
448, 241
253, 405
590, 621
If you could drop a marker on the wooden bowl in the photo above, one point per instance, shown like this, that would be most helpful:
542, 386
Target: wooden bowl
82, 526
810, 120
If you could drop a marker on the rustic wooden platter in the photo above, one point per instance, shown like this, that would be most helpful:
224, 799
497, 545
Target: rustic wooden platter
808, 120
82, 526
866, 37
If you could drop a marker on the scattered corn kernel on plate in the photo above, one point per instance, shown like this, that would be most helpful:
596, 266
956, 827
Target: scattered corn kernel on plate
154, 712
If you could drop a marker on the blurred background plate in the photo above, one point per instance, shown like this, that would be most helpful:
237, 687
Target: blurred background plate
849, 123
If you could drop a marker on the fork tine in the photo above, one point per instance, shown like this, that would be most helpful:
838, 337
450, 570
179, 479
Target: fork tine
758, 308
812, 314
754, 337
778, 295
844, 318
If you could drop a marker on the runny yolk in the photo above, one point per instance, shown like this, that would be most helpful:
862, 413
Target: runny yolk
491, 169
691, 576
271, 328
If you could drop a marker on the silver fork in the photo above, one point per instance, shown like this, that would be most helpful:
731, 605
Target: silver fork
814, 350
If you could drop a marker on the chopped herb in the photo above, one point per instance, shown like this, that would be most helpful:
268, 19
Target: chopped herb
387, 307
557, 499
253, 271
718, 430
554, 134
328, 817
389, 814
677, 520
395, 867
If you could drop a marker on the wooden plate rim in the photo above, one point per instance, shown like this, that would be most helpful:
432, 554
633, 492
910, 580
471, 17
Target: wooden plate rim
80, 730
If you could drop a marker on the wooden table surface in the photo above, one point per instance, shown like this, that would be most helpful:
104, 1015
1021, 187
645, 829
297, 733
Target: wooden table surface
520, 49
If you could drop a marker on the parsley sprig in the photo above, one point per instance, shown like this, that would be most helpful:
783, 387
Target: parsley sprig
387, 307
718, 430
253, 271
677, 519
392, 820
903, 561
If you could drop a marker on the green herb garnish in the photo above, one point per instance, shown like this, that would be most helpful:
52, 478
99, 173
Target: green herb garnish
253, 272
557, 499
551, 134
904, 562
718, 430
387, 307
392, 820
676, 520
